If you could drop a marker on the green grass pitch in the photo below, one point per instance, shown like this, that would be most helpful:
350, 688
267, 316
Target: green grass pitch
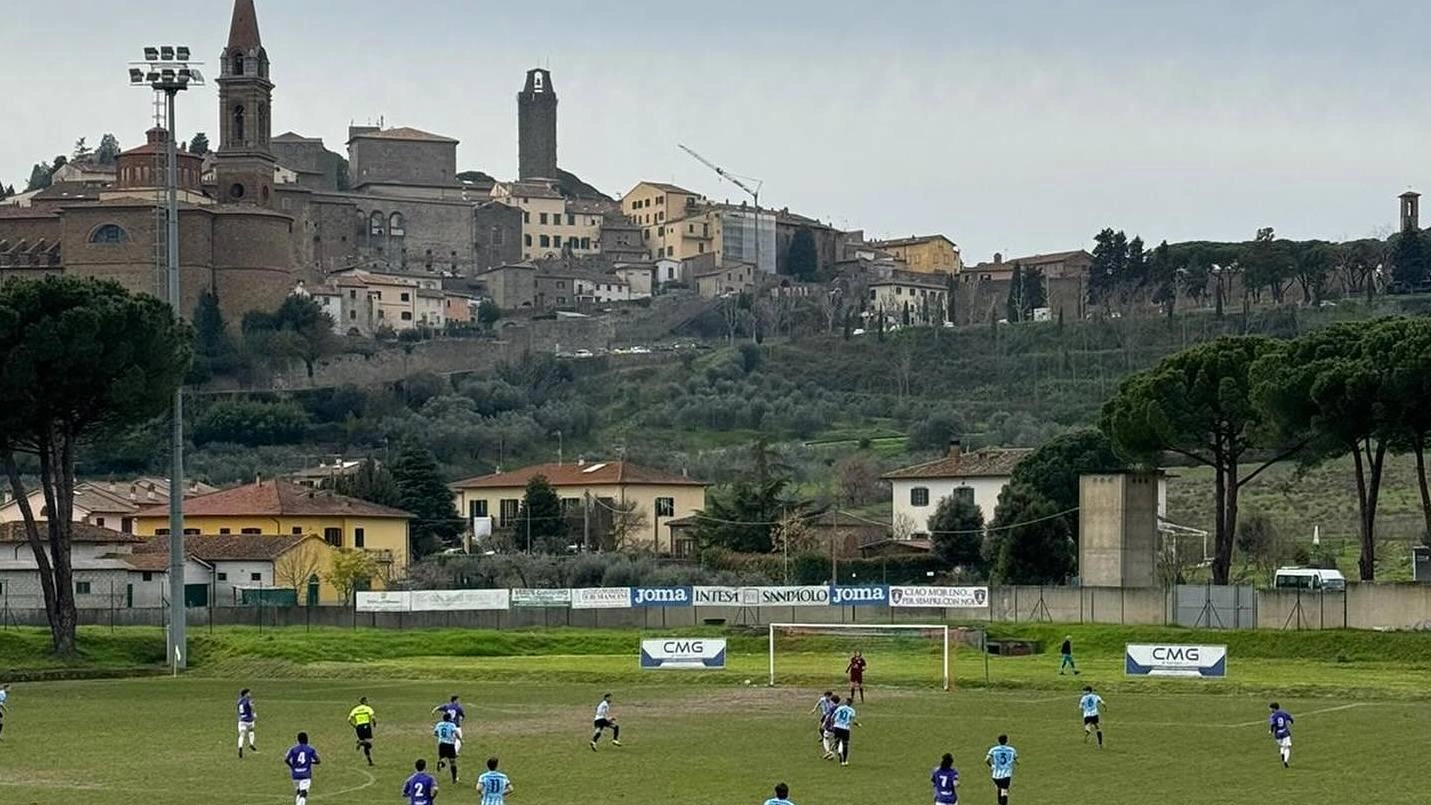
164, 741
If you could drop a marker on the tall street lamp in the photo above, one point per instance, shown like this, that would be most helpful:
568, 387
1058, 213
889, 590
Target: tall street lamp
167, 69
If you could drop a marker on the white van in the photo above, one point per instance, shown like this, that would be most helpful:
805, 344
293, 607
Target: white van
1309, 578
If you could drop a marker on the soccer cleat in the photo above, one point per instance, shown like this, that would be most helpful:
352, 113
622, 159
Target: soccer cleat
844, 763
615, 742
593, 746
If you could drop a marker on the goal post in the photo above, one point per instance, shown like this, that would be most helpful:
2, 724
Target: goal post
941, 630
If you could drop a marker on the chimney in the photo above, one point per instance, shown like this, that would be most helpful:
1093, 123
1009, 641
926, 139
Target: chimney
955, 447
581, 461
998, 259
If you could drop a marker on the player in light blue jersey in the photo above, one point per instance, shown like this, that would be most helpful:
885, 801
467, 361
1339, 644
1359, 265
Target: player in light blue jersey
823, 708
4, 706
841, 720
782, 796
1001, 760
494, 785
1279, 723
446, 732
1092, 706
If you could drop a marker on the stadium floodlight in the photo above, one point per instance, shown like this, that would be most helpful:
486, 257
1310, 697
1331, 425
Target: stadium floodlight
866, 630
136, 75
181, 53
166, 53
151, 54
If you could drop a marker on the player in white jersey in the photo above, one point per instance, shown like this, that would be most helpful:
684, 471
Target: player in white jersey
1092, 706
603, 720
823, 707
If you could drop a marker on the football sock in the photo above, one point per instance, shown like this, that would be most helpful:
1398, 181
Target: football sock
1100, 738
844, 751
368, 753
615, 732
596, 736
453, 766
1003, 796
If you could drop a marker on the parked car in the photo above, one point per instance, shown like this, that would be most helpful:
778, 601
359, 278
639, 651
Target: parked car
1309, 578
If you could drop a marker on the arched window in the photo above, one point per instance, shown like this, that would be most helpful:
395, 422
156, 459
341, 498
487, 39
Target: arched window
109, 233
238, 125
238, 64
395, 225
375, 223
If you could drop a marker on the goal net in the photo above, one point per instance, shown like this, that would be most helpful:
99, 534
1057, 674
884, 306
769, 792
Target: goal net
901, 653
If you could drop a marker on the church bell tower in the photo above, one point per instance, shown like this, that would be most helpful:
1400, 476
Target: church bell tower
244, 162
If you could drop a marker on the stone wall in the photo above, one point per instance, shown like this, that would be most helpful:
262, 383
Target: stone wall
379, 160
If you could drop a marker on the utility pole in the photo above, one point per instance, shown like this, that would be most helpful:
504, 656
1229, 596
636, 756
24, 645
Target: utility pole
586, 521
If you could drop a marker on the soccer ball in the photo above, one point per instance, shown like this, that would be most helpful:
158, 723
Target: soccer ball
747, 682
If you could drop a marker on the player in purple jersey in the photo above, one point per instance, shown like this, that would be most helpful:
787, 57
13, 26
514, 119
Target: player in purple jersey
246, 719
945, 780
301, 759
420, 788
1279, 723
453, 706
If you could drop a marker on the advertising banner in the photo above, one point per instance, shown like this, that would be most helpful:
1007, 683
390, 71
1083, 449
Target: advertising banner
960, 597
785, 596
683, 653
661, 596
1156, 659
871, 596
601, 598
384, 602
716, 596
541, 598
459, 600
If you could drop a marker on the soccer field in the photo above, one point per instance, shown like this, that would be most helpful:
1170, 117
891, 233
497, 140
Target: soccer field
164, 741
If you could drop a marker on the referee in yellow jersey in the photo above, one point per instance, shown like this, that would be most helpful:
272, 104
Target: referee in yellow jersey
363, 721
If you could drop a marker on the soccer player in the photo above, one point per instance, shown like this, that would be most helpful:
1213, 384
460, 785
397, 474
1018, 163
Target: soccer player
1092, 706
420, 788
945, 780
603, 720
363, 720
823, 707
841, 721
827, 728
494, 785
782, 795
459, 715
246, 719
4, 699
1000, 760
1280, 725
301, 759
1066, 650
446, 732
856, 670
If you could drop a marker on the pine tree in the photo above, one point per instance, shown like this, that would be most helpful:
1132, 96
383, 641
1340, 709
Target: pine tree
372, 482
82, 151
540, 525
108, 151
422, 492
1031, 544
200, 144
214, 349
1014, 307
804, 260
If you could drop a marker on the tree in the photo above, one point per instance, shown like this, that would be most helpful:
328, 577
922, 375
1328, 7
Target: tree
1015, 308
488, 313
252, 423
857, 480
1406, 348
540, 525
951, 288
80, 359
1198, 404
1267, 263
298, 330
1311, 263
422, 492
1030, 542
1326, 390
1110, 259
628, 521
1164, 278
741, 516
214, 350
108, 151
371, 482
957, 531
82, 151
199, 144
351, 570
1054, 468
1259, 544
40, 177
804, 260
1408, 261
1359, 262
300, 564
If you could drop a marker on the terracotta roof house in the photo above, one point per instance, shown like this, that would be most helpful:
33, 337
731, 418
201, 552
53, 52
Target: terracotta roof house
980, 475
228, 564
609, 492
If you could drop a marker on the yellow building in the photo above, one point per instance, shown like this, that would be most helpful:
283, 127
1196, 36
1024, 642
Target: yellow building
926, 254
280, 507
662, 210
607, 491
552, 224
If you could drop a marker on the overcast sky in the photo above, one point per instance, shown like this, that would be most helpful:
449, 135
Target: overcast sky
1019, 127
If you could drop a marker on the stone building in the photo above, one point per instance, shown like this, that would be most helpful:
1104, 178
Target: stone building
983, 290
537, 127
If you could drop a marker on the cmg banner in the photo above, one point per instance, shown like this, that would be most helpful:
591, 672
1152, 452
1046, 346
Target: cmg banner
1156, 659
683, 653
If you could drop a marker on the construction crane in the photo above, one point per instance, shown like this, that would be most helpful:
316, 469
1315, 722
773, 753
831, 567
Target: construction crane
741, 182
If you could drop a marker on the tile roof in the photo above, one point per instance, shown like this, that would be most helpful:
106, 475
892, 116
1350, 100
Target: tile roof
405, 133
277, 499
153, 562
210, 548
581, 474
910, 241
669, 188
978, 464
80, 532
1007, 264
68, 191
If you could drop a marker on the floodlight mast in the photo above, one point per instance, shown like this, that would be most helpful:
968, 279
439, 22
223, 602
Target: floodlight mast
167, 69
